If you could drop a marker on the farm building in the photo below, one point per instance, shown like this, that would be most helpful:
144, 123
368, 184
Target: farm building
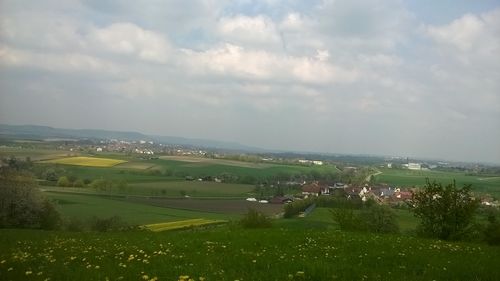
315, 188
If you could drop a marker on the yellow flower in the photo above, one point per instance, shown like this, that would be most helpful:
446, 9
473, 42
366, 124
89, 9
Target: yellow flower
145, 277
28, 272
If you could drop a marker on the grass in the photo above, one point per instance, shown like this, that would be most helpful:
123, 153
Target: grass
86, 206
34, 154
399, 177
191, 188
216, 168
86, 161
232, 253
164, 226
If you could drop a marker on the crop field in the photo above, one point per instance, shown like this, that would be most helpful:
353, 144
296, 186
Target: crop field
164, 226
200, 169
211, 161
322, 218
229, 207
34, 154
417, 178
190, 188
232, 253
86, 161
135, 213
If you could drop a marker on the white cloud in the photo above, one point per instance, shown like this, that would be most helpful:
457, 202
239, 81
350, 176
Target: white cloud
470, 33
130, 39
259, 30
236, 61
62, 62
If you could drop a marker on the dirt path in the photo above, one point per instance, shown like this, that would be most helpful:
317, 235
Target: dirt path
372, 175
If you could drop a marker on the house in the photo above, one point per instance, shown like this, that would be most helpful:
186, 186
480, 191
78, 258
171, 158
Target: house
315, 188
414, 166
99, 149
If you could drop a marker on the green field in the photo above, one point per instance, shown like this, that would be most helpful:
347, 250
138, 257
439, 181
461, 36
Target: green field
34, 153
86, 161
232, 253
322, 218
400, 177
87, 206
191, 188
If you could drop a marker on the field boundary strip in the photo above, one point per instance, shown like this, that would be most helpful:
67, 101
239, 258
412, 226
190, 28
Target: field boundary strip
157, 227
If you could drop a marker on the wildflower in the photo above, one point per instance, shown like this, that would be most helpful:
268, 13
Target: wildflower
145, 277
28, 272
299, 273
97, 267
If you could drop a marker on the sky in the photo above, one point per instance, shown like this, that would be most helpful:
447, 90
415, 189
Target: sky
402, 78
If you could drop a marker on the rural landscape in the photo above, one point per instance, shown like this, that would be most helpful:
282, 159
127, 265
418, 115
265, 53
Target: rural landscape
136, 210
250, 140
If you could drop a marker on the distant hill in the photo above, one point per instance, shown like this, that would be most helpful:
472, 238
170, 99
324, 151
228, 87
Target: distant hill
34, 132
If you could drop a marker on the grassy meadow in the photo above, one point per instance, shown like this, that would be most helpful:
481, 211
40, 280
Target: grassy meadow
86, 206
416, 178
231, 253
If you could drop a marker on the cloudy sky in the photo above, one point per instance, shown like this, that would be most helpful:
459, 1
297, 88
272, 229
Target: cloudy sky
409, 78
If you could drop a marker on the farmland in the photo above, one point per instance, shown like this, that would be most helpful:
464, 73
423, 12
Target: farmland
134, 213
191, 188
232, 253
165, 226
85, 161
417, 178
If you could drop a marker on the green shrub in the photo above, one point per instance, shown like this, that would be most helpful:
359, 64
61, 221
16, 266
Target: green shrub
254, 219
376, 219
348, 220
107, 224
492, 230
445, 212
380, 219
75, 225
63, 181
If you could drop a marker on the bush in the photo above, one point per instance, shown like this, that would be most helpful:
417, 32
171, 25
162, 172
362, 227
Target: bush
22, 205
75, 224
49, 217
294, 208
445, 212
376, 219
348, 220
63, 181
492, 230
254, 219
107, 224
78, 183
380, 219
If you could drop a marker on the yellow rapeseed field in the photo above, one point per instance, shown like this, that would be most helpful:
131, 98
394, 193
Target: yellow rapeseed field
180, 224
86, 161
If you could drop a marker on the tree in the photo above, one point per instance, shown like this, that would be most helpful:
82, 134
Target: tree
445, 212
380, 219
22, 204
63, 181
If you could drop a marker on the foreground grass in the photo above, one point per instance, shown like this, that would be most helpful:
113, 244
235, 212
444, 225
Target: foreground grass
232, 253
